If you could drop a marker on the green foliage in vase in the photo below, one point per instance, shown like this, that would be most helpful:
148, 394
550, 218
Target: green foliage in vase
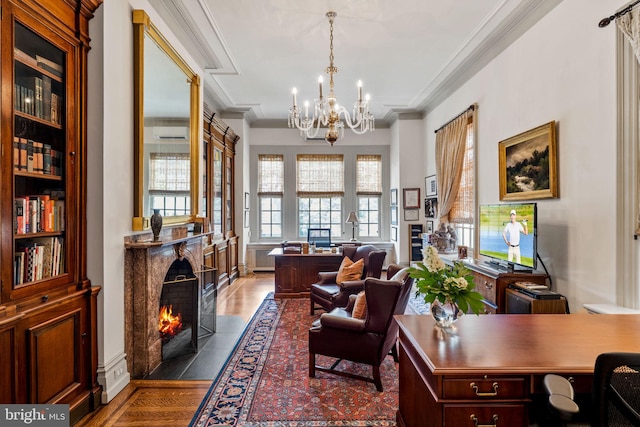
434, 280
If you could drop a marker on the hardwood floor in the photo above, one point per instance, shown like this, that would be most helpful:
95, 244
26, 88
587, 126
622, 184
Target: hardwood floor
173, 403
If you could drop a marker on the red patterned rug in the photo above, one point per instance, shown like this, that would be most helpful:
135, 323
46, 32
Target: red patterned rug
265, 381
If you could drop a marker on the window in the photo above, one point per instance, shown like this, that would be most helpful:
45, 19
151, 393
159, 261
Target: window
461, 215
169, 183
369, 191
320, 190
270, 190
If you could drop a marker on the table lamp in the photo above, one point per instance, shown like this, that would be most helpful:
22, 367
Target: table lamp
353, 219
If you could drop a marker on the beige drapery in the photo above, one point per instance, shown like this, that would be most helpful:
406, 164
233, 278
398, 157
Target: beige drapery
450, 148
629, 24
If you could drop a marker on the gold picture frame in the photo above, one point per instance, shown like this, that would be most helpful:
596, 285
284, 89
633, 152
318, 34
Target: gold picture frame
528, 164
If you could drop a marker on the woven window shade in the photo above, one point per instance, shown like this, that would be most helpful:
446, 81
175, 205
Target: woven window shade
270, 174
369, 174
169, 173
462, 211
320, 175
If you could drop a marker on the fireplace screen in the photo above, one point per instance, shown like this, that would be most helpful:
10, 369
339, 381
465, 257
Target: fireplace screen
178, 315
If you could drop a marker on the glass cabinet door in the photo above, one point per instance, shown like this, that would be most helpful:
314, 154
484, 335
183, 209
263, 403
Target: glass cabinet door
40, 160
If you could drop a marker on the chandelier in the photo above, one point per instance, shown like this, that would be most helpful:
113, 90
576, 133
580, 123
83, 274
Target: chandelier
326, 111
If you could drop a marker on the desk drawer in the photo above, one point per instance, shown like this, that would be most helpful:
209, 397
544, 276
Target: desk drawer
484, 388
485, 415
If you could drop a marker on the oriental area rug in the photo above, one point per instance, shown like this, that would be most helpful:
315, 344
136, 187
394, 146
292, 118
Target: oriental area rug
265, 381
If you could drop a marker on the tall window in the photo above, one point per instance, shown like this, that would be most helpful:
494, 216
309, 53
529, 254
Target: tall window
169, 183
270, 190
320, 190
462, 213
369, 190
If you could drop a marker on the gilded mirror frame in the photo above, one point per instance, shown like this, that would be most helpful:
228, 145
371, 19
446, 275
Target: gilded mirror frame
142, 25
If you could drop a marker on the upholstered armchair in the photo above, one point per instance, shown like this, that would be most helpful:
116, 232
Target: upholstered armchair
329, 294
343, 335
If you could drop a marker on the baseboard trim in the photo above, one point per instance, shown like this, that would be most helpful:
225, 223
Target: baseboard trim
113, 377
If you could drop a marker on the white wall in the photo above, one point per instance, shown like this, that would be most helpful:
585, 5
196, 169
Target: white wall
562, 69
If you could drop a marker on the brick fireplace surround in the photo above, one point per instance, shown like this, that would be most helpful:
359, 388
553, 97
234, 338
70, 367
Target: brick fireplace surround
146, 265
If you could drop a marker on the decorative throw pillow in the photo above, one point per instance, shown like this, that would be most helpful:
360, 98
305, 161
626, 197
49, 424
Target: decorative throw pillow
360, 306
349, 270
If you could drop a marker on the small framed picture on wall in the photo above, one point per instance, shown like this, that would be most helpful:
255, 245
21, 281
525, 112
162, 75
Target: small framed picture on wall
411, 214
394, 197
411, 198
430, 186
429, 227
394, 234
394, 215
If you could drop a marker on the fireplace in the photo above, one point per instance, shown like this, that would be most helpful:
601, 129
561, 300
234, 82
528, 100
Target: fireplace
178, 314
164, 273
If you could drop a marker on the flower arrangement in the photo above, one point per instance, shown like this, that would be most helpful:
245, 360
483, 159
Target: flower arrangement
435, 281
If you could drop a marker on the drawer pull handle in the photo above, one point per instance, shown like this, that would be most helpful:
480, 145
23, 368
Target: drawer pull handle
488, 285
474, 386
475, 421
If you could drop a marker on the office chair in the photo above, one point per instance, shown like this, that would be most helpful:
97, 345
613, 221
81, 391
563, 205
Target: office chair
615, 396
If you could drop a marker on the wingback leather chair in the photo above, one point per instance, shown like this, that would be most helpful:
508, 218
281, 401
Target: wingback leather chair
337, 334
328, 294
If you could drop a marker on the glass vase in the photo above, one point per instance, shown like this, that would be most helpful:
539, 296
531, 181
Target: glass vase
445, 314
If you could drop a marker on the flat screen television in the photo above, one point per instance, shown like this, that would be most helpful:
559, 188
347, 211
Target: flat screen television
508, 235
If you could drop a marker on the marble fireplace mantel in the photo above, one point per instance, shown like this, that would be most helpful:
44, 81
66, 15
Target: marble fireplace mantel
146, 265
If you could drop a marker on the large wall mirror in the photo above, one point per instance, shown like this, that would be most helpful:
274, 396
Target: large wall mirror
166, 127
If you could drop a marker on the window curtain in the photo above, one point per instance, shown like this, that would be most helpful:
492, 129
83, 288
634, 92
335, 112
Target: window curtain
629, 24
369, 174
270, 175
451, 141
320, 175
169, 173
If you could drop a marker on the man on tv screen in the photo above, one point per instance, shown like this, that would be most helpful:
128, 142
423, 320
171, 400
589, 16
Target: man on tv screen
511, 236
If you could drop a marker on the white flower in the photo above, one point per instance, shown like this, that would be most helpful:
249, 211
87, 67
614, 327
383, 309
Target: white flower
432, 260
457, 282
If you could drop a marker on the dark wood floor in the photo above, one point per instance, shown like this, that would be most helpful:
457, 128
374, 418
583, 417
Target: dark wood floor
173, 403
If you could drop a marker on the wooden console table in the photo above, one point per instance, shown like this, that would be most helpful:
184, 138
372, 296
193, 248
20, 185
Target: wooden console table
488, 371
295, 273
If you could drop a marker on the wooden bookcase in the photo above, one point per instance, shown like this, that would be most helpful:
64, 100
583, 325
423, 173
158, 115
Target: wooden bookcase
219, 148
415, 242
48, 348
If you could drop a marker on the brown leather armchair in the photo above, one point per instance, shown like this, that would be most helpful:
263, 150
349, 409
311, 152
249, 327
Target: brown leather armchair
328, 294
369, 340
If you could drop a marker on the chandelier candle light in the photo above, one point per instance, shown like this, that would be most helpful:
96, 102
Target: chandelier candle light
327, 112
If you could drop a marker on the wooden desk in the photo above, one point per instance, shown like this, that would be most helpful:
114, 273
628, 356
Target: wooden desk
295, 273
505, 357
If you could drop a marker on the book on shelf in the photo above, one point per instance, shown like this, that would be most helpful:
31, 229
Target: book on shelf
16, 153
46, 159
38, 259
30, 156
37, 157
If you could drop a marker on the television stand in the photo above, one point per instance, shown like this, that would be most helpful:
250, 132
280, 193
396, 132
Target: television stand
492, 281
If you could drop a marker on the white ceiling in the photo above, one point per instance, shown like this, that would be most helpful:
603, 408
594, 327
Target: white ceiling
410, 54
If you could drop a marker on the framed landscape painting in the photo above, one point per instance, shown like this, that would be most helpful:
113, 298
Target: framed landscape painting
527, 162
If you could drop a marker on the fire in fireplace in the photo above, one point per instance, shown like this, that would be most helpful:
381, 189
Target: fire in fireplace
169, 325
178, 319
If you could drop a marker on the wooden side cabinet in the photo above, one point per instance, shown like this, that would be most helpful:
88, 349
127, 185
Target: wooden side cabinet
48, 347
493, 284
